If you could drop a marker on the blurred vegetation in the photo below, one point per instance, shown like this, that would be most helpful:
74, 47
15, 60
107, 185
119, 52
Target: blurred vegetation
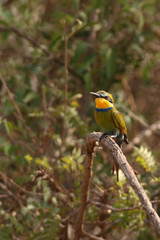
112, 45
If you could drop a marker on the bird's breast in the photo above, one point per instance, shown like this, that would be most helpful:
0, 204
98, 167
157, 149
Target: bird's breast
104, 120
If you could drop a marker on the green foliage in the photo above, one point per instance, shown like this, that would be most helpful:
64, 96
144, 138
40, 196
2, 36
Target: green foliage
40, 161
73, 162
111, 63
145, 158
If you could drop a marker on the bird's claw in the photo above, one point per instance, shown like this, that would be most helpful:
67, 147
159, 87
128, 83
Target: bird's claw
105, 134
102, 136
119, 138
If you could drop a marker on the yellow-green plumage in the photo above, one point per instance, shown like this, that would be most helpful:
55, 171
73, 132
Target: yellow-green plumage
109, 119
107, 116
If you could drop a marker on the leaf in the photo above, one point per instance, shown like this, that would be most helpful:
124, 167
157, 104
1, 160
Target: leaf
77, 96
38, 161
137, 48
145, 158
142, 162
8, 126
28, 158
76, 4
29, 97
80, 159
97, 4
59, 15
67, 160
46, 191
79, 25
74, 151
141, 21
57, 39
87, 79
78, 153
80, 50
111, 63
43, 162
146, 74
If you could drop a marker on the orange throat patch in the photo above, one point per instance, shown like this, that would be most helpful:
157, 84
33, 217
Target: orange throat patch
102, 103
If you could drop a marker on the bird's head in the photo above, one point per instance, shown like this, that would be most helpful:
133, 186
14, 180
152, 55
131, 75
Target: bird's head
102, 94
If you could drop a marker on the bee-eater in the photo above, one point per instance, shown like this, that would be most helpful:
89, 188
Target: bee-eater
109, 118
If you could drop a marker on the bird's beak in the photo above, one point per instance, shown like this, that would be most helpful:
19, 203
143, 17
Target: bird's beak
95, 94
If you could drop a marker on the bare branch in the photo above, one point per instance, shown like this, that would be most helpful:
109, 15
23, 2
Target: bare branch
20, 116
85, 188
66, 79
90, 236
65, 64
129, 94
112, 148
135, 117
7, 179
154, 128
98, 204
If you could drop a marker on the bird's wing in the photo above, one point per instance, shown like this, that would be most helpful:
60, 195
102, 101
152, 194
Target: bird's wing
119, 121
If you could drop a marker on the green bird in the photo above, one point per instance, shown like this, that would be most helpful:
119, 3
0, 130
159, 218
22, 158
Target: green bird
107, 116
109, 119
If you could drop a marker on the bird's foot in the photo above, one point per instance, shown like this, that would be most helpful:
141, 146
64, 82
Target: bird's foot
119, 138
103, 136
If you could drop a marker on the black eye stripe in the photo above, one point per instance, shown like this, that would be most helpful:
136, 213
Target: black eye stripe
110, 100
107, 98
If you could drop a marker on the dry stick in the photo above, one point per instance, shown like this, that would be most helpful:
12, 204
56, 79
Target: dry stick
135, 116
116, 153
154, 128
66, 64
16, 107
129, 94
6, 178
85, 189
66, 78
45, 109
98, 204
90, 236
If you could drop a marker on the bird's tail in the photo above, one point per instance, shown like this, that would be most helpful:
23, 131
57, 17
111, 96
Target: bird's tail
126, 139
115, 169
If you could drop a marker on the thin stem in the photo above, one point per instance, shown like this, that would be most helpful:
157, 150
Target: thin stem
66, 79
98, 204
85, 190
20, 116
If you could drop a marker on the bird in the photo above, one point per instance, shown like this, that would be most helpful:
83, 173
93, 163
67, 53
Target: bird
109, 119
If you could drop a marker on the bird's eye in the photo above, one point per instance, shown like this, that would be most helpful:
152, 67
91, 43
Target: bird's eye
109, 99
